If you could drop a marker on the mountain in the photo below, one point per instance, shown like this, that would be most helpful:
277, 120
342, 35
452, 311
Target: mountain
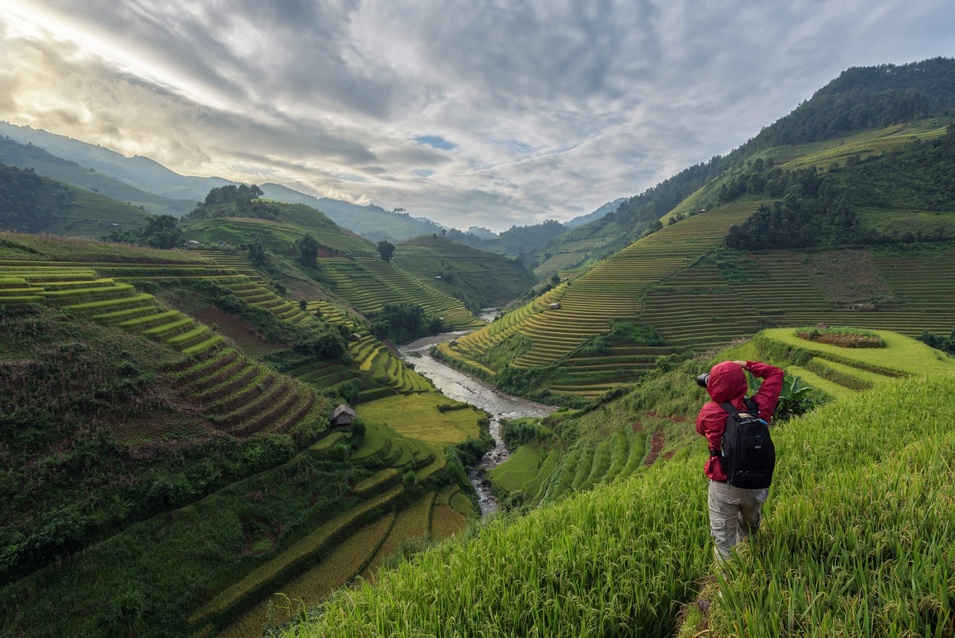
140, 172
862, 98
609, 207
144, 182
30, 202
371, 222
28, 155
856, 229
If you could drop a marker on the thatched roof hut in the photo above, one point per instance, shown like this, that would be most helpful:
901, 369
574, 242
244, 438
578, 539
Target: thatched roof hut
343, 416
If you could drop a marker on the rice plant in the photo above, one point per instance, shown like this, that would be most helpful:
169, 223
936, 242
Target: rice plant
859, 539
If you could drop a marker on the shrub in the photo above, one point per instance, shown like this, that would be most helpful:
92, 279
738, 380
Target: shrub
843, 337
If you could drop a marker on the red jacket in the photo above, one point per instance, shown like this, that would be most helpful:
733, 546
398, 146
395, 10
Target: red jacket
727, 384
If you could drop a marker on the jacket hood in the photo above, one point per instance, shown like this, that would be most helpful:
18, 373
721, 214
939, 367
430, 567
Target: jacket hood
727, 382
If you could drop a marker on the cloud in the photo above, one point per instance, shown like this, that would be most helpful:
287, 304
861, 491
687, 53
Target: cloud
477, 113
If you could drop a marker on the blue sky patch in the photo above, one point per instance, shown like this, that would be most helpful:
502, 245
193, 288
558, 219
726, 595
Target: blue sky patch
436, 141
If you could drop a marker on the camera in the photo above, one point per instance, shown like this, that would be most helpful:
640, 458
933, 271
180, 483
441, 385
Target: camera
703, 379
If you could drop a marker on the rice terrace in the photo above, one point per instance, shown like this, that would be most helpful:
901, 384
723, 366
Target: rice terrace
207, 427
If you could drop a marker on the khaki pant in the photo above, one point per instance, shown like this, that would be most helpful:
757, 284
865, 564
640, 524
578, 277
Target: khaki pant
734, 515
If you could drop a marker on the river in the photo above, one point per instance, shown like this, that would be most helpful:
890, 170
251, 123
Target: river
461, 387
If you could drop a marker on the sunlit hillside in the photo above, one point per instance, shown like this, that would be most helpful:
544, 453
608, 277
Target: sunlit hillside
629, 556
679, 289
167, 426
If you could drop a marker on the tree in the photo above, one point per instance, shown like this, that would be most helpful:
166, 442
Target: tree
308, 249
161, 231
257, 256
386, 250
231, 193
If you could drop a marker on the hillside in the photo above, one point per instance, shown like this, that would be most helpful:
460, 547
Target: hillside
476, 277
860, 99
29, 156
839, 232
629, 556
32, 203
139, 172
172, 466
166, 425
373, 223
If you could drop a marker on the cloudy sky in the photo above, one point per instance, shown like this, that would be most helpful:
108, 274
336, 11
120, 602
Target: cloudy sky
470, 112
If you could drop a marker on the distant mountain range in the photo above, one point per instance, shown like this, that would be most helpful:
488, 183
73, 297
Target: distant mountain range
141, 181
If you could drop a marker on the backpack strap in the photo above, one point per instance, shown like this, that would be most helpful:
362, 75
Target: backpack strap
751, 408
729, 407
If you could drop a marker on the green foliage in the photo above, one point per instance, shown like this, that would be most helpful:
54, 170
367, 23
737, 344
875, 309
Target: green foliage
31, 203
939, 343
518, 432
635, 332
795, 399
819, 209
165, 566
399, 322
501, 354
160, 231
386, 250
846, 337
257, 255
308, 250
231, 193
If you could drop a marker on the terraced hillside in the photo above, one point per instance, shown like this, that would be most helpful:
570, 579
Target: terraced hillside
679, 290
368, 284
901, 291
544, 474
221, 472
278, 235
480, 279
78, 289
386, 514
612, 290
377, 371
238, 395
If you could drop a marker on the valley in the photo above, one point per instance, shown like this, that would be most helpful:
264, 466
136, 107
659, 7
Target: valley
251, 416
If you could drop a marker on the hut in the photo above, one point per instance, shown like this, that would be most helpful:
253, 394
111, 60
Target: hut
555, 306
343, 416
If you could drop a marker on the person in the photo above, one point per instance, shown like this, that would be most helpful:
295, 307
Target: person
734, 511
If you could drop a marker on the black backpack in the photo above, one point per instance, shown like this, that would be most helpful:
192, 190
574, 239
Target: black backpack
749, 455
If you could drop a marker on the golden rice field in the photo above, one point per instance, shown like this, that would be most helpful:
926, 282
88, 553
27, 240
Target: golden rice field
419, 416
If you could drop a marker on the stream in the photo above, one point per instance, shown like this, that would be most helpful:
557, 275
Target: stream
461, 387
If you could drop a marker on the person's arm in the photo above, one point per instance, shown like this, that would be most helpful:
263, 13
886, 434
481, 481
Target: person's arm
768, 395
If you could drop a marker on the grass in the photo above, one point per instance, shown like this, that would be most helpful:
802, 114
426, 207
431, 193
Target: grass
621, 559
289, 560
314, 584
902, 355
846, 561
425, 417
117, 450
518, 470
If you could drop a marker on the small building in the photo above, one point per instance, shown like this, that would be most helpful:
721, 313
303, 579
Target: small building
555, 306
453, 342
343, 416
354, 337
